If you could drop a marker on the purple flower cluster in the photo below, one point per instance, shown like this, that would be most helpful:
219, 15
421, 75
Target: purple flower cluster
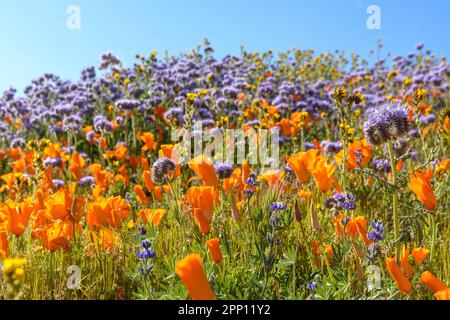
223, 170
386, 122
331, 147
161, 168
277, 206
376, 234
341, 201
145, 255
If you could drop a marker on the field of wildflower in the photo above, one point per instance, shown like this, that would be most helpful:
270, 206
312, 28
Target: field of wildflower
97, 201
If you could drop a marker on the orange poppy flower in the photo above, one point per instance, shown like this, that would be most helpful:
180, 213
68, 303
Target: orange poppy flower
117, 211
245, 171
214, 250
394, 270
432, 282
56, 235
202, 198
149, 141
152, 215
316, 251
120, 151
142, 197
18, 166
157, 191
112, 211
446, 124
122, 176
148, 181
323, 175
359, 155
272, 177
104, 238
286, 127
3, 242
406, 267
301, 163
14, 153
353, 228
96, 213
76, 164
204, 169
419, 255
443, 295
59, 206
9, 179
190, 271
101, 177
443, 166
204, 224
17, 215
229, 184
419, 183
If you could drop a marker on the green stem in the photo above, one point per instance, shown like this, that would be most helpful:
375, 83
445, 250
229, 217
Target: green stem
395, 197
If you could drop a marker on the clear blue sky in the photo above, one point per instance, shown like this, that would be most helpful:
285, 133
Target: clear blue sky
35, 38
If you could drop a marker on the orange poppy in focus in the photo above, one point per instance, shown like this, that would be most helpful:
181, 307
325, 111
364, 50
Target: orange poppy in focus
202, 198
191, 273
432, 282
204, 169
301, 163
76, 164
323, 175
442, 295
394, 270
419, 183
59, 206
56, 235
214, 250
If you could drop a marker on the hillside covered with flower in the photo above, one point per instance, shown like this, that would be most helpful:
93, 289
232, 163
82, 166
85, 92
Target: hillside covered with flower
95, 202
